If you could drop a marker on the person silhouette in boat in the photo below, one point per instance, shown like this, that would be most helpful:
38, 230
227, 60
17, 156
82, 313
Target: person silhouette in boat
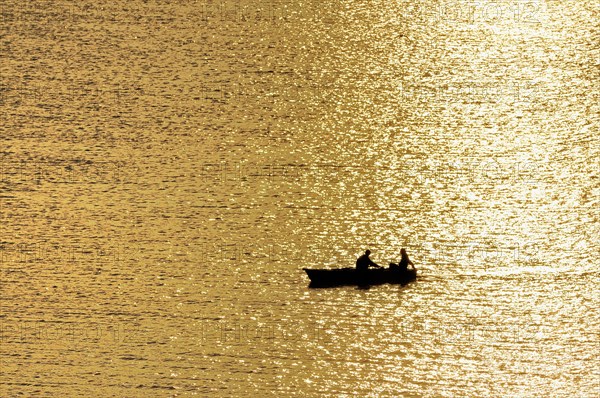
404, 261
364, 262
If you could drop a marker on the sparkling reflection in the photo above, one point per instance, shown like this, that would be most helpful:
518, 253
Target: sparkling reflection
169, 169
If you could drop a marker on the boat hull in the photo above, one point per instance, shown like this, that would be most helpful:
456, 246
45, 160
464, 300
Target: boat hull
351, 276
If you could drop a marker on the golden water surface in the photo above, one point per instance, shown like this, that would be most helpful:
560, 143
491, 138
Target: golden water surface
169, 167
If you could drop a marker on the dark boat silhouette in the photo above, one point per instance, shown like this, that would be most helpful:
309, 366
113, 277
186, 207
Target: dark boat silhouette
351, 276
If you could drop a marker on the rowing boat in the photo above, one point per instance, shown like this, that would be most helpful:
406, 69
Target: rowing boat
351, 276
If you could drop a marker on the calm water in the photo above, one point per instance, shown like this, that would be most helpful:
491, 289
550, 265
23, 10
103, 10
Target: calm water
168, 169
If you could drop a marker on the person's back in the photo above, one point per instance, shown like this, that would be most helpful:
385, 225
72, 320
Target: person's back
403, 264
362, 263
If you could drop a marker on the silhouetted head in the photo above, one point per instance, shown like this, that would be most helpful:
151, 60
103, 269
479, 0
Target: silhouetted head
403, 251
367, 252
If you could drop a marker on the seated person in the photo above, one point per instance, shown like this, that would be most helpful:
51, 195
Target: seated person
364, 262
404, 261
